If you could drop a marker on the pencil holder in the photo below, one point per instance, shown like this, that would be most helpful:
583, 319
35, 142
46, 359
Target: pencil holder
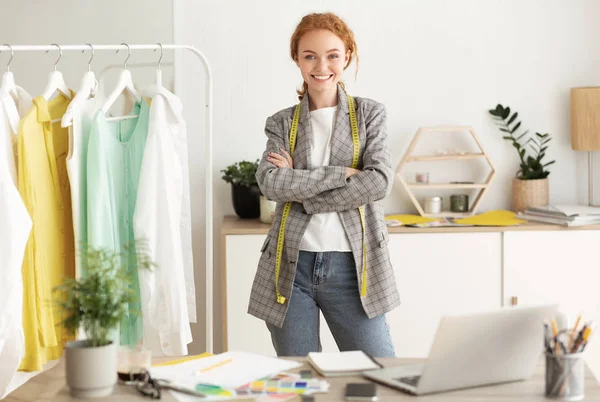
565, 376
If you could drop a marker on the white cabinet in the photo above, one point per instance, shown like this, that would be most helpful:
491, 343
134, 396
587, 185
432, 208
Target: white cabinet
556, 267
437, 274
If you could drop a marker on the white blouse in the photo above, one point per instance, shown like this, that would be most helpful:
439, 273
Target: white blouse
159, 219
16, 225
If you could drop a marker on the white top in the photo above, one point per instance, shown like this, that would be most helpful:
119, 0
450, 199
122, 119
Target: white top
179, 138
16, 225
158, 220
82, 115
324, 232
12, 109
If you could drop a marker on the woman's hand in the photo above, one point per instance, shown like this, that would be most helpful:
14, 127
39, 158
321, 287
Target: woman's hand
281, 161
351, 171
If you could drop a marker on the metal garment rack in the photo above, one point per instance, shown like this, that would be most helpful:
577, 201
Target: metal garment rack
208, 149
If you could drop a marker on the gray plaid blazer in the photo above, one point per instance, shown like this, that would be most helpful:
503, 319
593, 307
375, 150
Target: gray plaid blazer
314, 190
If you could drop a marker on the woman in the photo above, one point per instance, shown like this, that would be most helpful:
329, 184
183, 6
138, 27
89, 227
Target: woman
326, 178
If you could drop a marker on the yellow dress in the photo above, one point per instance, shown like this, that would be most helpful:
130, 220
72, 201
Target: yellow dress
50, 252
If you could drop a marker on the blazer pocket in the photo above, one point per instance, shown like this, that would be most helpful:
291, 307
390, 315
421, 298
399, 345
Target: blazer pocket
265, 244
385, 239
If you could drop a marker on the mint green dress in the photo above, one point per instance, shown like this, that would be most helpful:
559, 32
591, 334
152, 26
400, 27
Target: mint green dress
114, 159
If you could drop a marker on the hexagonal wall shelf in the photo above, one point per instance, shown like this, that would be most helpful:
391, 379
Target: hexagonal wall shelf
409, 157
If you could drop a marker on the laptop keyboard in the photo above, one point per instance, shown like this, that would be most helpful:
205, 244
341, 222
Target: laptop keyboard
412, 380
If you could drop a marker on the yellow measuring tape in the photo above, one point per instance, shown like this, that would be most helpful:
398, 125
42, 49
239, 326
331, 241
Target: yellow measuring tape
288, 205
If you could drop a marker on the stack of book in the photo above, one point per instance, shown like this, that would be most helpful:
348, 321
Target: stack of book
566, 215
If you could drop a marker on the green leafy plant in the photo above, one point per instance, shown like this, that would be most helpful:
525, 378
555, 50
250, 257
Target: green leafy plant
531, 165
99, 299
241, 173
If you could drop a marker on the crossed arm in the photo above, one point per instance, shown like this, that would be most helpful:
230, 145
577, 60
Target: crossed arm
288, 184
371, 184
328, 188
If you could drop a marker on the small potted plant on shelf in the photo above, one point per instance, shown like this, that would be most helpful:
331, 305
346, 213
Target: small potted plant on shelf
245, 193
95, 303
530, 186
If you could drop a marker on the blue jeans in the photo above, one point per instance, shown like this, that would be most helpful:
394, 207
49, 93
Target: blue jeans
327, 281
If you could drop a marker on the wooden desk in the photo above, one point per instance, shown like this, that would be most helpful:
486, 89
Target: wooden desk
50, 386
233, 225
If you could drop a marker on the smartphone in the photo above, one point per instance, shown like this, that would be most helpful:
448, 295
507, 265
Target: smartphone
365, 391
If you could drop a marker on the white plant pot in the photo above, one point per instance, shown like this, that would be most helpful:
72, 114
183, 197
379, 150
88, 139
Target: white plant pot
267, 209
91, 371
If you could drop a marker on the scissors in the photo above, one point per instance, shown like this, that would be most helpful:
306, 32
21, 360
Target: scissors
152, 387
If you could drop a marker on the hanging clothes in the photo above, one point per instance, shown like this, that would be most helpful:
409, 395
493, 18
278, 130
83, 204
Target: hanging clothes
158, 220
16, 226
50, 252
179, 138
114, 158
180, 142
14, 107
79, 133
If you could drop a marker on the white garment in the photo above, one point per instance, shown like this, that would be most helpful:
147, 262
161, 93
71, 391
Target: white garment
16, 225
325, 232
181, 147
79, 133
179, 137
12, 109
158, 219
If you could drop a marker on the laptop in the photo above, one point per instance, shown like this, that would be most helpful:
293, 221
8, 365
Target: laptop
473, 350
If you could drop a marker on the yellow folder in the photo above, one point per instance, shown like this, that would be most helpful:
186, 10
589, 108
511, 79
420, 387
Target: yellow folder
492, 218
407, 219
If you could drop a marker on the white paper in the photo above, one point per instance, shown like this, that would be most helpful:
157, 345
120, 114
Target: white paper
243, 368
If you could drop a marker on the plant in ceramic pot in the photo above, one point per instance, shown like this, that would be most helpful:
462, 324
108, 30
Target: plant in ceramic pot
245, 193
530, 186
95, 303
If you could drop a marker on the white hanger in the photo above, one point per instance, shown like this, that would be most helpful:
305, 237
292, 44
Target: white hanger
125, 83
87, 90
8, 86
158, 89
157, 86
158, 70
56, 81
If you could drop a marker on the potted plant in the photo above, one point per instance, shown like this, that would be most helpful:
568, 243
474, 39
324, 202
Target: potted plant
96, 303
245, 193
530, 186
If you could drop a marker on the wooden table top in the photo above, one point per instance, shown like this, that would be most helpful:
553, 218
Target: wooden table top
50, 387
232, 225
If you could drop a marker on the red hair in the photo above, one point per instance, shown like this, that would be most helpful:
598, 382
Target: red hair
332, 23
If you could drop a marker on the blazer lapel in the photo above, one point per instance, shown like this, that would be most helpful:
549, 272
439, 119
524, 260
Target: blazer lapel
341, 138
304, 137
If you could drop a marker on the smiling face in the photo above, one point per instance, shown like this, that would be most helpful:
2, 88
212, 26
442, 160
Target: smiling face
321, 58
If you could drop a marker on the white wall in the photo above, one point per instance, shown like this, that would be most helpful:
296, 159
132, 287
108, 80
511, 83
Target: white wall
31, 22
430, 62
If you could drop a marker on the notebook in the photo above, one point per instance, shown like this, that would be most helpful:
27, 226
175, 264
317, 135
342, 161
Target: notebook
337, 364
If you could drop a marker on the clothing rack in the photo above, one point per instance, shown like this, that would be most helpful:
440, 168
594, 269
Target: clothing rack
208, 150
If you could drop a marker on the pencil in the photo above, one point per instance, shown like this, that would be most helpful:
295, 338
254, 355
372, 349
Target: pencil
224, 362
555, 334
574, 332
